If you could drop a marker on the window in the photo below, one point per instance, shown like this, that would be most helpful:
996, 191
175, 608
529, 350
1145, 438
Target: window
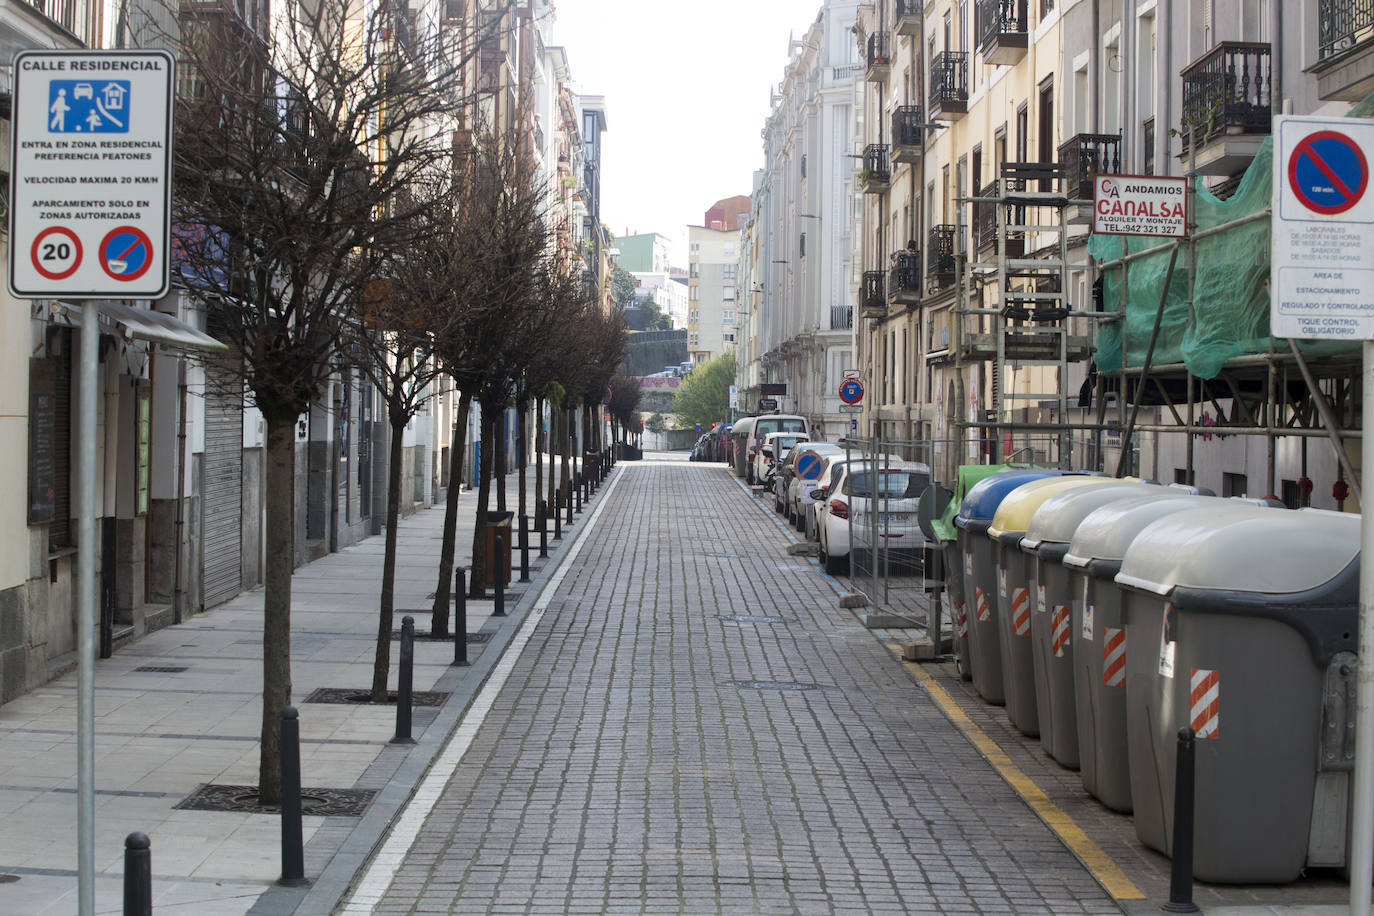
803, 245
1046, 129
728, 294
730, 271
730, 249
803, 165
728, 337
727, 316
143, 442
1234, 485
694, 269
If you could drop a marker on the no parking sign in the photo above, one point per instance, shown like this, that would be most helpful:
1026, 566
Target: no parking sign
1320, 281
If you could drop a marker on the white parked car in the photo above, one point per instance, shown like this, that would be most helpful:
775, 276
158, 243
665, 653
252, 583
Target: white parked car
786, 486
890, 519
806, 506
776, 447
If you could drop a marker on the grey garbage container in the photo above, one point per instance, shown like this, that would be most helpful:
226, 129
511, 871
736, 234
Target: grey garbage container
947, 538
980, 574
1247, 620
1099, 662
1015, 591
1053, 639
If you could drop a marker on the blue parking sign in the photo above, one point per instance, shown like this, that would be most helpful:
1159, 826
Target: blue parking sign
88, 106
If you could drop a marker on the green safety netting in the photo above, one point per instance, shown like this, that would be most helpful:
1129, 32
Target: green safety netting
1229, 277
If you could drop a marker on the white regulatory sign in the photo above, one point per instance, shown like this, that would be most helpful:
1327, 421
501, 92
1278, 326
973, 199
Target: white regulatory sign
90, 175
1140, 205
1321, 283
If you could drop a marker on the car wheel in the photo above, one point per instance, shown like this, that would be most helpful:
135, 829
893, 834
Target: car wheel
833, 565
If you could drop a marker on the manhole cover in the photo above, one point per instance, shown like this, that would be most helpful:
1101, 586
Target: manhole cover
345, 695
316, 802
774, 685
160, 669
474, 639
750, 618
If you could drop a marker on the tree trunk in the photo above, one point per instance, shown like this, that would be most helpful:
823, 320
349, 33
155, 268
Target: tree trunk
279, 484
381, 661
550, 445
566, 450
477, 575
499, 468
521, 451
438, 619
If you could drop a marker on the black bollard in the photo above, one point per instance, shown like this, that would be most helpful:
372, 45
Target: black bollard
500, 605
558, 516
292, 839
570, 502
543, 531
577, 488
460, 618
138, 875
524, 548
1181, 865
403, 682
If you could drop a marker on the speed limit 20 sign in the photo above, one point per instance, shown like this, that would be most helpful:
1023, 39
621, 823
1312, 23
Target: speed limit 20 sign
90, 175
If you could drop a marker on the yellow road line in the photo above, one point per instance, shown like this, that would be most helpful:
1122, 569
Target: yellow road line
1102, 866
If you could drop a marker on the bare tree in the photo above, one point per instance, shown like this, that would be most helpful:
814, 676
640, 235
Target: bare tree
296, 136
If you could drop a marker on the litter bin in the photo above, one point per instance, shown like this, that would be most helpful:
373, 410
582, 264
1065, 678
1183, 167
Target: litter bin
1053, 637
980, 574
946, 538
1244, 625
1015, 588
1092, 562
498, 523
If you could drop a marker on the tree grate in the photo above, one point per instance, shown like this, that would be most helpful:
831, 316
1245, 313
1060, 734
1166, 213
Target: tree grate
161, 669
354, 695
474, 639
314, 802
774, 685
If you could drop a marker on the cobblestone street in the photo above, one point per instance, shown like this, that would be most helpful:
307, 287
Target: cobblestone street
695, 726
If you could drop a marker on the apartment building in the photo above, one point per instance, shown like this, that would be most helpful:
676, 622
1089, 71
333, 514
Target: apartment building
799, 230
713, 281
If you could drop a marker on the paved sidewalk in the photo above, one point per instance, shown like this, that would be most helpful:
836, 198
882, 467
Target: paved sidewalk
161, 734
650, 751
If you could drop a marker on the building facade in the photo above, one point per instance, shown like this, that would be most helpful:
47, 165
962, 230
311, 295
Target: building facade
713, 302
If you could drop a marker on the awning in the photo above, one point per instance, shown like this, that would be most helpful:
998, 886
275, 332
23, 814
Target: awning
157, 327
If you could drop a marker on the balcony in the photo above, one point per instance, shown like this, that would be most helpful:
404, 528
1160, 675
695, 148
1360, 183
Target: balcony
876, 175
1226, 107
1345, 50
1002, 27
841, 317
904, 278
906, 134
940, 258
949, 84
985, 220
907, 17
873, 303
1084, 157
879, 56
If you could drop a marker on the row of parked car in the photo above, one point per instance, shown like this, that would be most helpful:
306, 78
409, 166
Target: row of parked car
845, 500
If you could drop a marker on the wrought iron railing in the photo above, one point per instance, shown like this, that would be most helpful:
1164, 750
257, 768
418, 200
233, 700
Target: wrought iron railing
1084, 157
905, 274
877, 164
949, 77
72, 15
841, 317
906, 126
874, 301
880, 49
1342, 24
940, 257
908, 8
1000, 17
1227, 90
1148, 145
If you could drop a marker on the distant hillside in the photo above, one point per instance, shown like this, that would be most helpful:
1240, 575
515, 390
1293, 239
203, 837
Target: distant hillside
653, 351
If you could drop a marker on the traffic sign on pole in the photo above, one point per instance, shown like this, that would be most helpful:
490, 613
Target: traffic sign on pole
90, 174
851, 391
1323, 229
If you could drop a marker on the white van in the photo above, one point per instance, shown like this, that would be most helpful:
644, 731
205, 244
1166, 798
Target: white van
760, 427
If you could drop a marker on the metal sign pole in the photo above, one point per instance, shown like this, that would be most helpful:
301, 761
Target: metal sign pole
86, 610
1362, 826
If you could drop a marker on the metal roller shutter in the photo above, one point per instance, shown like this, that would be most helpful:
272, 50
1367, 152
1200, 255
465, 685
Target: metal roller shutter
223, 499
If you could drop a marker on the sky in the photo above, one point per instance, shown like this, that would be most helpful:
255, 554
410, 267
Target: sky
687, 85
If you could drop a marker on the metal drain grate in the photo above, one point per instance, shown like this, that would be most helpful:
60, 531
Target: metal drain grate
355, 695
774, 685
750, 618
315, 802
161, 669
